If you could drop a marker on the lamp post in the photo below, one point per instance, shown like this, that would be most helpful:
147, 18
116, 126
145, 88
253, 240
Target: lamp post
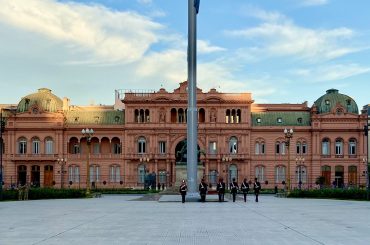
299, 162
288, 135
227, 160
144, 159
88, 133
366, 172
366, 131
62, 162
2, 129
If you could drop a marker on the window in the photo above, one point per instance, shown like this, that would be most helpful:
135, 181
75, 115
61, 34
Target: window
280, 148
233, 172
96, 148
300, 120
279, 174
94, 173
35, 146
22, 146
162, 177
74, 174
260, 148
233, 145
260, 173
338, 147
76, 148
213, 147
352, 147
114, 174
141, 145
49, 146
141, 174
162, 147
301, 173
181, 116
304, 148
279, 120
277, 147
327, 102
298, 147
258, 120
326, 147
116, 148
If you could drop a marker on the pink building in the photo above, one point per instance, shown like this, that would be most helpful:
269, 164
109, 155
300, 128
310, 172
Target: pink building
43, 143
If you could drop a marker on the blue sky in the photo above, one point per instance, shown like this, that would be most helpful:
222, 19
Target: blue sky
282, 51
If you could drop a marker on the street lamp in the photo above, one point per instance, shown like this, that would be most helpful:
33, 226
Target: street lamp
62, 162
299, 162
2, 129
366, 131
144, 159
88, 133
226, 160
366, 172
288, 135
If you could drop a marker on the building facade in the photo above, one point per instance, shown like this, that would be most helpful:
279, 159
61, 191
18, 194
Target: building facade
145, 134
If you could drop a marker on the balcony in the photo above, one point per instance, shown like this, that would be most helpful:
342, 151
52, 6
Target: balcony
95, 156
33, 157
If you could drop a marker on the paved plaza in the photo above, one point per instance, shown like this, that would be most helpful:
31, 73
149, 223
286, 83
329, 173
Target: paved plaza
122, 219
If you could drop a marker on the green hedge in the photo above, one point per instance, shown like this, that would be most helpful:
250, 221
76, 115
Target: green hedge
45, 193
347, 194
124, 191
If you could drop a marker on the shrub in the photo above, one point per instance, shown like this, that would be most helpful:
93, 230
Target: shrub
45, 193
348, 194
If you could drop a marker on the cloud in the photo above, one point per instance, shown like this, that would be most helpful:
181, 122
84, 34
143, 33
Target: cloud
205, 47
95, 31
331, 72
145, 2
280, 36
314, 2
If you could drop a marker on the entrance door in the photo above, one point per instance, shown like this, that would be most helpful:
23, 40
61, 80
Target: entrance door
35, 176
22, 175
48, 175
339, 176
326, 172
352, 175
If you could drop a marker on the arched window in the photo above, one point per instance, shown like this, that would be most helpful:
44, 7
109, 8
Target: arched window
238, 116
141, 174
260, 147
116, 145
49, 145
74, 146
137, 117
260, 173
202, 115
141, 145
147, 115
338, 147
233, 116
352, 147
74, 174
181, 116
22, 145
94, 173
228, 116
115, 174
233, 145
142, 116
304, 148
233, 173
298, 147
173, 115
35, 145
325, 148
280, 148
301, 173
280, 174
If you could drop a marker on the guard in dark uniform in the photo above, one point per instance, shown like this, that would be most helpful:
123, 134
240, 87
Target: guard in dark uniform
221, 186
245, 189
203, 187
183, 190
234, 188
257, 188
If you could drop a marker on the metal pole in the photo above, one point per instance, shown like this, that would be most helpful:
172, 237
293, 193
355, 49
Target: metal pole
88, 140
368, 160
192, 120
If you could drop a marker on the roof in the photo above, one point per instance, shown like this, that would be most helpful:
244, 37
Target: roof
281, 119
333, 98
95, 117
43, 99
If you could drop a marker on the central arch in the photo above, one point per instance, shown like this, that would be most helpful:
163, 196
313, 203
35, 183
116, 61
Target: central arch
181, 152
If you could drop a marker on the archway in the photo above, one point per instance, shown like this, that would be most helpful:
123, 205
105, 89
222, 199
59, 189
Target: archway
181, 153
22, 174
48, 175
35, 175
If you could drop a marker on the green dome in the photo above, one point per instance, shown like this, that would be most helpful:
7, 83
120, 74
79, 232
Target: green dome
43, 99
332, 98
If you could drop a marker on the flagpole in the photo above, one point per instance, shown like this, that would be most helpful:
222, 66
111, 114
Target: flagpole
192, 114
